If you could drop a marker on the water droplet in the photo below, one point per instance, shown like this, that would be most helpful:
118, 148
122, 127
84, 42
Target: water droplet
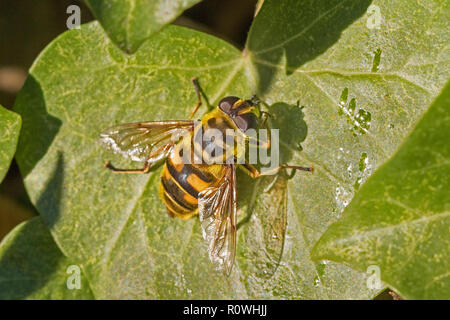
365, 170
357, 183
358, 118
352, 106
316, 281
363, 161
363, 119
344, 96
376, 60
349, 170
342, 198
321, 269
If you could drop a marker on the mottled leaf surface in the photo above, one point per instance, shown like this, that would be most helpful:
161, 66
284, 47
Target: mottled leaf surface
400, 219
130, 22
33, 267
116, 225
352, 120
10, 124
364, 82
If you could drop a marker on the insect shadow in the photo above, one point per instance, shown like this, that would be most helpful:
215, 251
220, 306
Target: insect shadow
265, 199
289, 120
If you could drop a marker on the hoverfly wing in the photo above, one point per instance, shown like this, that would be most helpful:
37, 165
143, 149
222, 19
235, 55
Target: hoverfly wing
217, 212
139, 139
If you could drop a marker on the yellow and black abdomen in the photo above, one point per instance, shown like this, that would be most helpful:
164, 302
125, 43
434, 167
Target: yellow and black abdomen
181, 183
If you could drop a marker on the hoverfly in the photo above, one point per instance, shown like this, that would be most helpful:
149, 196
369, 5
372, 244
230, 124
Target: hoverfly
187, 189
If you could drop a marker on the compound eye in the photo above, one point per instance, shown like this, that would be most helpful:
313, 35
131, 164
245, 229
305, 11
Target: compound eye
227, 103
246, 121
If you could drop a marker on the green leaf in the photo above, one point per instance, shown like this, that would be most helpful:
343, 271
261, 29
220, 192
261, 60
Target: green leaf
399, 221
363, 86
130, 22
116, 225
10, 124
33, 267
297, 32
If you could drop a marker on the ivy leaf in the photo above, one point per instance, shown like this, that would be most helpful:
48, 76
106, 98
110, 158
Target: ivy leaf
116, 225
364, 75
10, 124
288, 33
399, 220
130, 22
33, 267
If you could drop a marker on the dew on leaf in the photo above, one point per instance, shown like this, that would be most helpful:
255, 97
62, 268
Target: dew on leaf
363, 118
342, 198
357, 183
364, 170
352, 106
376, 60
358, 118
316, 281
341, 151
363, 162
321, 268
344, 96
349, 170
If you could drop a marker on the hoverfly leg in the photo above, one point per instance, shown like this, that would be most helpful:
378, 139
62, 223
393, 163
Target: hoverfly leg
292, 174
310, 169
255, 173
197, 92
264, 116
294, 169
145, 169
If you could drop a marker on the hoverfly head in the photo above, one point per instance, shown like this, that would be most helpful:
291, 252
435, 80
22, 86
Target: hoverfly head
244, 113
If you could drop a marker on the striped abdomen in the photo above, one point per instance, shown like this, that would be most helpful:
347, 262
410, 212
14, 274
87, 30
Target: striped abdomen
181, 184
